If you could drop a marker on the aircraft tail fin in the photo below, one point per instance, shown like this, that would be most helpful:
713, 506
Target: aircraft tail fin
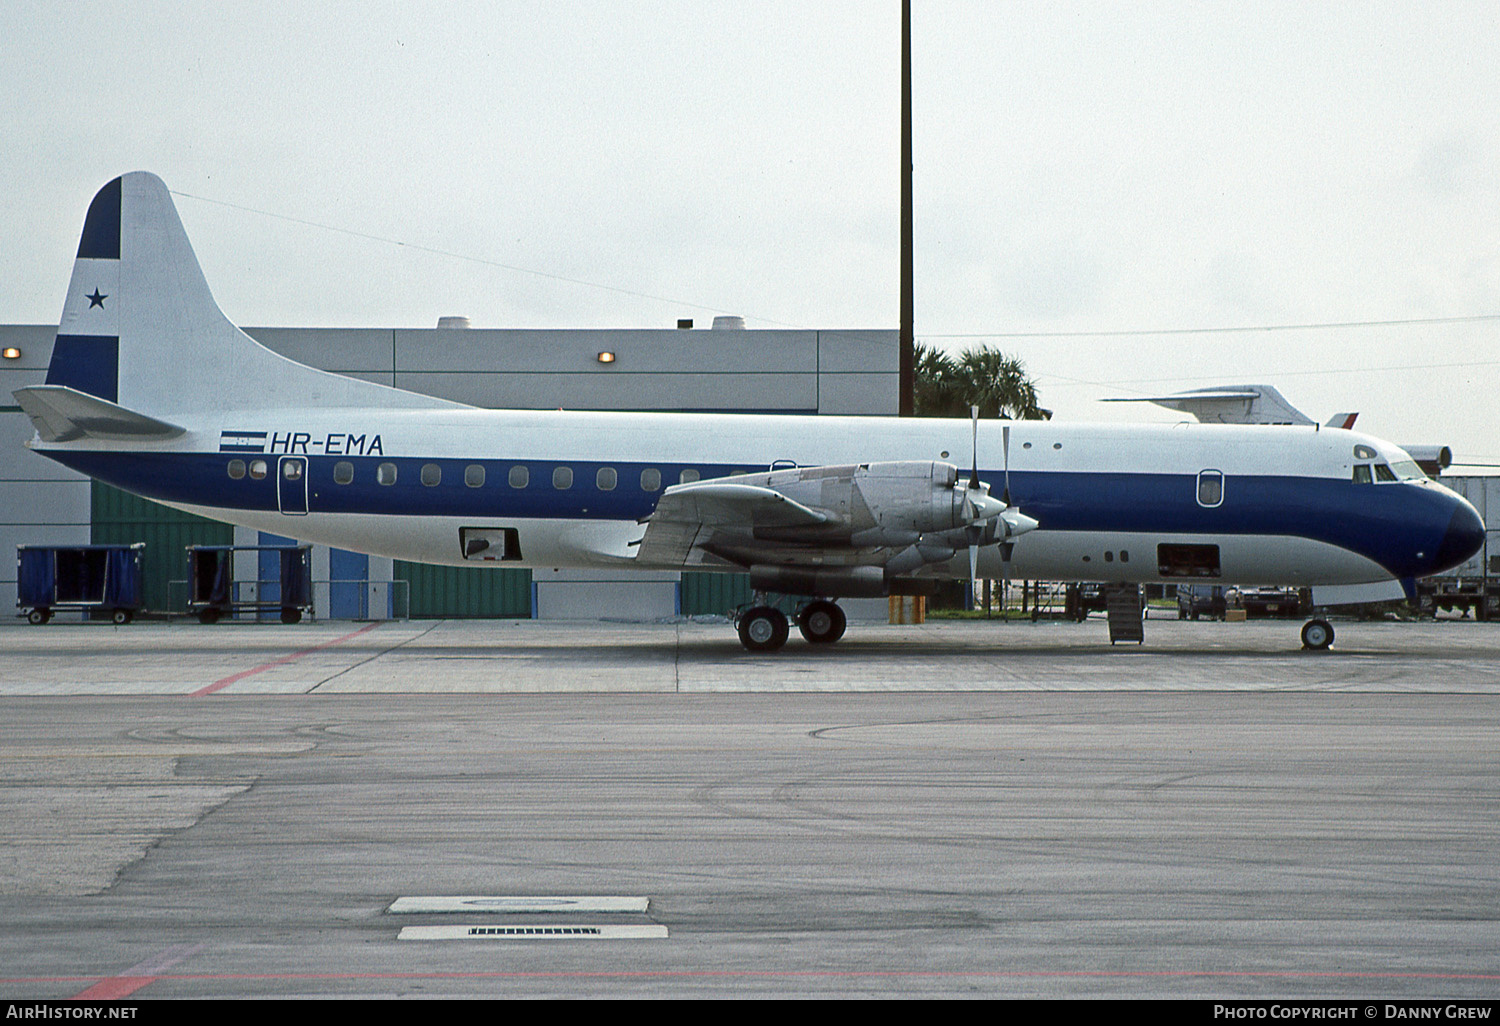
140, 329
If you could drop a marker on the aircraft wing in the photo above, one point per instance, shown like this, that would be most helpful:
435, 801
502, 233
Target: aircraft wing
689, 515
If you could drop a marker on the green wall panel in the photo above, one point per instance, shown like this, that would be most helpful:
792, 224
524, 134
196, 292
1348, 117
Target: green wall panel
466, 591
704, 593
119, 518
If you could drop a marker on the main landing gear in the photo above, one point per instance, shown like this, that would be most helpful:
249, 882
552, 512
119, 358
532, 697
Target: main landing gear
764, 628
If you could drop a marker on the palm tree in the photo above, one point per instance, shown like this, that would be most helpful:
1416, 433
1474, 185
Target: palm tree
982, 377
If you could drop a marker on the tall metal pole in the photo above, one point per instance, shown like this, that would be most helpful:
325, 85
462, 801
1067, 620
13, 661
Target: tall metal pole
907, 336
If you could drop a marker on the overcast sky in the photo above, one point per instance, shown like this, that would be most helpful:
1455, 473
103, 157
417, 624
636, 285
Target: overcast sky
1080, 167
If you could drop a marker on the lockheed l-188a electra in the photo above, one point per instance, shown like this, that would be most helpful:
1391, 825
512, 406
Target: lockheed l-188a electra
152, 389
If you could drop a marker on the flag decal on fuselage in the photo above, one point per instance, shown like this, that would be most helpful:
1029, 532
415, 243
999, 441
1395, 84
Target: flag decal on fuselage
242, 441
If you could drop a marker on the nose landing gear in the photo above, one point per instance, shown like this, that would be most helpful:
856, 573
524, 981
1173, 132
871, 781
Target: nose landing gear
1317, 635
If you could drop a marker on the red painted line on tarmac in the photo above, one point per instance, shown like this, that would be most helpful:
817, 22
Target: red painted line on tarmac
138, 975
219, 685
114, 988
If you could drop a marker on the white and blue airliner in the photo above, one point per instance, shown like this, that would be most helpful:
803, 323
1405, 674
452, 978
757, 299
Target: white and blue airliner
152, 389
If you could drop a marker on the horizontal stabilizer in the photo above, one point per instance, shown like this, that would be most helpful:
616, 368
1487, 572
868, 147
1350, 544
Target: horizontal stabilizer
62, 414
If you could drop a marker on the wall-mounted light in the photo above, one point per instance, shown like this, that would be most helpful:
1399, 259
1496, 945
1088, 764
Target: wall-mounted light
11, 354
606, 357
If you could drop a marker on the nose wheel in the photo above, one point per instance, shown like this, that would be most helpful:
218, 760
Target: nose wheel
1317, 635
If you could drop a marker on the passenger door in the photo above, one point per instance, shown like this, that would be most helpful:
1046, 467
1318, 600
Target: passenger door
291, 485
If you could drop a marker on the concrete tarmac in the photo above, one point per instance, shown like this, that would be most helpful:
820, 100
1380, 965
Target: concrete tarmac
959, 809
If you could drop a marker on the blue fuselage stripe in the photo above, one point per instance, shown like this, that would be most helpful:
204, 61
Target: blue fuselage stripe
1398, 526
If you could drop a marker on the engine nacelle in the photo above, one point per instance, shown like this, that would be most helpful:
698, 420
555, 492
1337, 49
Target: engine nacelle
874, 504
836, 582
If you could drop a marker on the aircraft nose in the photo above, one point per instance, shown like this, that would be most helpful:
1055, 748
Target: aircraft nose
1464, 537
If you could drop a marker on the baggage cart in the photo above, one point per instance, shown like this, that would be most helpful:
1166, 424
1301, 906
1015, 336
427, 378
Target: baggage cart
282, 582
96, 578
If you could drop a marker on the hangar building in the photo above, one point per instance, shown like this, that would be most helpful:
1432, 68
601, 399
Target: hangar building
720, 369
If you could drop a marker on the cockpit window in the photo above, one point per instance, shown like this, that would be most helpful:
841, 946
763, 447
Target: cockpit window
1362, 473
1384, 473
1407, 470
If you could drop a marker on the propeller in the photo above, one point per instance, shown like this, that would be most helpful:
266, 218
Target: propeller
1007, 545
979, 507
974, 531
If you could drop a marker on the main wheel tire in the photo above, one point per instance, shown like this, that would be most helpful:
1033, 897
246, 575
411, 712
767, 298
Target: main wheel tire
291, 614
122, 616
38, 616
208, 614
822, 623
1317, 635
763, 629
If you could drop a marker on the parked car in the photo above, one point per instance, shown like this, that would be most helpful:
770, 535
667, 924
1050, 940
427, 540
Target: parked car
1079, 600
1267, 602
1195, 601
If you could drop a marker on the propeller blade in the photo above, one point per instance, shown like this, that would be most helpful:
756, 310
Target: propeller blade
974, 433
1005, 443
1005, 550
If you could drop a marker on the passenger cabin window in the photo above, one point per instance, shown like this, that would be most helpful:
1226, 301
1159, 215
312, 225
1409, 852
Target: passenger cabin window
257, 469
562, 478
519, 477
1210, 488
474, 475
651, 480
687, 477
432, 474
606, 479
385, 474
236, 469
343, 472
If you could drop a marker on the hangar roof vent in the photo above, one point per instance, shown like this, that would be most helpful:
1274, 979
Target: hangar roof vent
730, 323
455, 323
